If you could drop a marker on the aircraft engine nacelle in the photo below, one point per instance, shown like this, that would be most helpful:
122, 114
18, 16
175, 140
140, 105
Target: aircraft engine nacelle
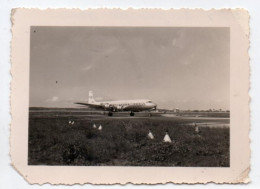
110, 107
106, 106
120, 108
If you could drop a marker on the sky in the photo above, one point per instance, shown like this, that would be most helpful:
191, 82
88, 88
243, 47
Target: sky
175, 67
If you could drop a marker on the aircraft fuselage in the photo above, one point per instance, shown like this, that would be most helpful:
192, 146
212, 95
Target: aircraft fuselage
120, 105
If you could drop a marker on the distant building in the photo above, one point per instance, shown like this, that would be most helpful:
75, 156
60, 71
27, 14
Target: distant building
176, 110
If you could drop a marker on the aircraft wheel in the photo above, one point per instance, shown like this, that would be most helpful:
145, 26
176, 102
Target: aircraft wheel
132, 114
110, 113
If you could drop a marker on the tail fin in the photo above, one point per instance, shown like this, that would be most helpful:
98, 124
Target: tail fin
90, 97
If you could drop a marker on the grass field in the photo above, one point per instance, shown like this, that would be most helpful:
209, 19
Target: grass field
123, 141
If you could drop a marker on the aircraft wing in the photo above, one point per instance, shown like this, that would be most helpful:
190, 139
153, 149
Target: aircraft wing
90, 105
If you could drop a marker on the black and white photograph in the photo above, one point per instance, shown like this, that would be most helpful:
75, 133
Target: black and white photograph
129, 96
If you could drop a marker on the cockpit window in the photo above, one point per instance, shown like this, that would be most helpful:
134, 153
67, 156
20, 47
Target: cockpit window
149, 101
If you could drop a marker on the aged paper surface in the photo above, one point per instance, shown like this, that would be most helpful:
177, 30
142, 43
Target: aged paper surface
26, 21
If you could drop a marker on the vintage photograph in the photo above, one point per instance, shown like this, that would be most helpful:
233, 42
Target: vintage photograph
129, 96
111, 96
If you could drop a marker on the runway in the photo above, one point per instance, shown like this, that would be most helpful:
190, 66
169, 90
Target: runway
101, 115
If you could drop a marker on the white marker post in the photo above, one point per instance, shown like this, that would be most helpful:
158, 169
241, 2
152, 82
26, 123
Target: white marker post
94, 126
197, 129
167, 138
150, 135
100, 127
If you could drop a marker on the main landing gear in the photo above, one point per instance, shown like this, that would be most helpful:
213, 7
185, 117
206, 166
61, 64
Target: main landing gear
111, 114
132, 114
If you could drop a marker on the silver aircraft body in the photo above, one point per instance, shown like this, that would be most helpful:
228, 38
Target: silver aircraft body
120, 105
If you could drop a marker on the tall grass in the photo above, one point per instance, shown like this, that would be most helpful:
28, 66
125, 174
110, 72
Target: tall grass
124, 142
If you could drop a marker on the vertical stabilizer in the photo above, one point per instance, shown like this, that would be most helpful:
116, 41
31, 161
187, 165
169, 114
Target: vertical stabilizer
91, 98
